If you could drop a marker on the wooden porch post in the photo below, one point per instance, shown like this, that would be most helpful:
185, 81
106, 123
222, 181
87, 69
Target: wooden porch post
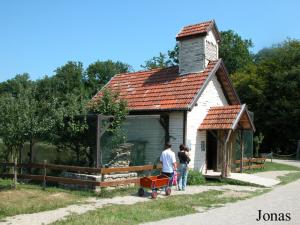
223, 173
225, 160
242, 150
98, 155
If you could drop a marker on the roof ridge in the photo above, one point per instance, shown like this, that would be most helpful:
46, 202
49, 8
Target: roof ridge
144, 71
208, 21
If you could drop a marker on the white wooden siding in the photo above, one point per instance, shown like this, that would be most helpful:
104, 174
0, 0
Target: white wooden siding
211, 47
211, 96
176, 130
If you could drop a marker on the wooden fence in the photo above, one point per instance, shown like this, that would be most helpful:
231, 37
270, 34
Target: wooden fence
86, 170
252, 163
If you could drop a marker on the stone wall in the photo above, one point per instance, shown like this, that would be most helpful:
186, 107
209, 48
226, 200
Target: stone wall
81, 176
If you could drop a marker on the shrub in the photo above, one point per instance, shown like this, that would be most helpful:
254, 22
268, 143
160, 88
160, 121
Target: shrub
195, 178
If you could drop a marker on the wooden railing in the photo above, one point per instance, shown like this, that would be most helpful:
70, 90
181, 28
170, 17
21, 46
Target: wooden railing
86, 170
252, 163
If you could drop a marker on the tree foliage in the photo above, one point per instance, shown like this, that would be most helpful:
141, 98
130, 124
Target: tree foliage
235, 51
272, 92
100, 72
163, 60
52, 109
111, 104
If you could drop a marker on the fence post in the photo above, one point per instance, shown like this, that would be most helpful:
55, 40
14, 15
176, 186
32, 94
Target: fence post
298, 150
15, 174
44, 175
271, 156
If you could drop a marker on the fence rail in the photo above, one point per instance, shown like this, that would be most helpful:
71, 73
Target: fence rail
252, 163
87, 170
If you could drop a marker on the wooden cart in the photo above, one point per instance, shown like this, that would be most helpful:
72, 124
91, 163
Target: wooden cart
154, 183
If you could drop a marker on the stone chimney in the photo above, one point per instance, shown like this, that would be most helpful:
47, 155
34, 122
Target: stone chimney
198, 44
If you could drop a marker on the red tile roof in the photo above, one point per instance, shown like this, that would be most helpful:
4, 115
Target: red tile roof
220, 117
197, 29
226, 117
158, 89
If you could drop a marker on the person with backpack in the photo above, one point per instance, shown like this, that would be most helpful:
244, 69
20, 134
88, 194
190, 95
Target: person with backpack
184, 159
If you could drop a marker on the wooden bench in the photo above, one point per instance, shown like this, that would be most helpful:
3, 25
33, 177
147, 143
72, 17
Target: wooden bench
252, 163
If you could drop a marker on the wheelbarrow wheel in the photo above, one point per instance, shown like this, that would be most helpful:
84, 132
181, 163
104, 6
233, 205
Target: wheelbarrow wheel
141, 192
154, 194
168, 191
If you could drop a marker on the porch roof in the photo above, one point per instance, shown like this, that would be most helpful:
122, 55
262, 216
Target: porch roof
229, 117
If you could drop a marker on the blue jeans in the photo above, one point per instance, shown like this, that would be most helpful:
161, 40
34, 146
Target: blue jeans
183, 170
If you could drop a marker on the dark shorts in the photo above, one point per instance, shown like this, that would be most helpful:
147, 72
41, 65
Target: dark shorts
170, 175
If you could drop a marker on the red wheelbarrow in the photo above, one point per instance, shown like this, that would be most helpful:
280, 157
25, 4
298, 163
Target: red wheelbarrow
154, 183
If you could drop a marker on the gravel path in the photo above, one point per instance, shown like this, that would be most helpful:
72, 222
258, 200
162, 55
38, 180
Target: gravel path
273, 174
283, 199
93, 204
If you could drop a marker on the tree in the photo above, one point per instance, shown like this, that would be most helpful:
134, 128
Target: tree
250, 86
111, 104
69, 79
40, 120
235, 51
14, 104
68, 98
163, 60
100, 72
13, 124
16, 85
70, 127
278, 115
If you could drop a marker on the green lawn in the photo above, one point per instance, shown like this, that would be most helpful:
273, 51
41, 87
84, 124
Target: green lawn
290, 177
31, 198
271, 166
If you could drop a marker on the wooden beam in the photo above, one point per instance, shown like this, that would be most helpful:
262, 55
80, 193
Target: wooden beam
55, 167
54, 179
128, 169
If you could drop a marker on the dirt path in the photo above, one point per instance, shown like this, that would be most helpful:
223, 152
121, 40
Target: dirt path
93, 203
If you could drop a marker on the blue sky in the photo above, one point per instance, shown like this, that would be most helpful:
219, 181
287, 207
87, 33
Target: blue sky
38, 36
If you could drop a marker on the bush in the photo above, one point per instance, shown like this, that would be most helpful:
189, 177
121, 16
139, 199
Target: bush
195, 178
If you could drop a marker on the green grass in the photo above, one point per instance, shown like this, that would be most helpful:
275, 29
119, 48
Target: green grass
152, 210
290, 177
272, 166
31, 198
196, 178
